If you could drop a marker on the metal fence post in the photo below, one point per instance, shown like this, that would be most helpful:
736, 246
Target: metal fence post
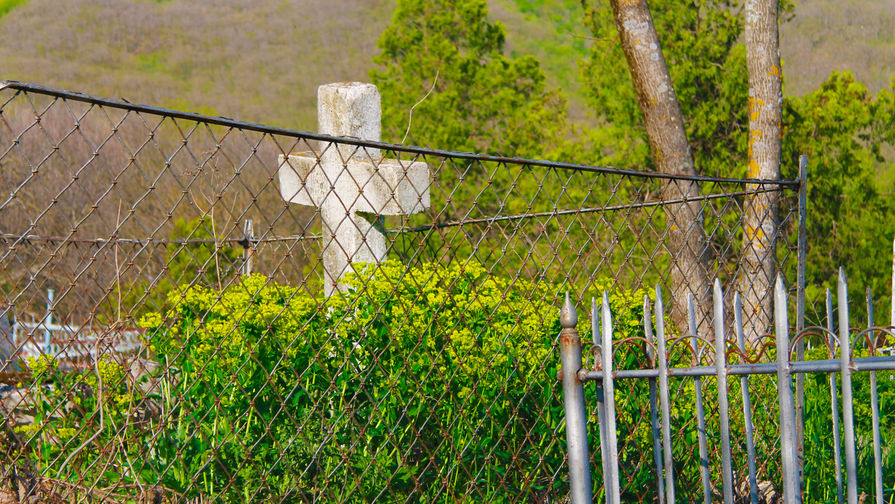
848, 412
596, 336
48, 321
800, 305
576, 416
248, 246
700, 408
747, 401
874, 406
653, 408
834, 400
723, 407
663, 397
609, 394
792, 493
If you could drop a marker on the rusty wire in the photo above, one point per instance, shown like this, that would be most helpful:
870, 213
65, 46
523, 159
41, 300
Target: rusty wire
431, 378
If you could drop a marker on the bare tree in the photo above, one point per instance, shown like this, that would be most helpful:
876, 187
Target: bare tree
765, 134
671, 154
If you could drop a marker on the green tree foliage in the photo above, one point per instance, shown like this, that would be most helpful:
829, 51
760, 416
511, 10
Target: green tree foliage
707, 64
8, 5
483, 100
844, 129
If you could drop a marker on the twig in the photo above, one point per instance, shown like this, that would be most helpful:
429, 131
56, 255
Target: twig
99, 404
117, 265
410, 114
99, 377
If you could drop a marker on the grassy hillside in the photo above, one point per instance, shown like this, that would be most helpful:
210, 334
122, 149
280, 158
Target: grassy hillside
827, 35
262, 60
257, 61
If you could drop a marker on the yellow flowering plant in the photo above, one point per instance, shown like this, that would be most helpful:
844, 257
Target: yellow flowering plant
400, 360
415, 382
68, 407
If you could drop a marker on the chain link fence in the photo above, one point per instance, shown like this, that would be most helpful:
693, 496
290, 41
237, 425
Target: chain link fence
196, 309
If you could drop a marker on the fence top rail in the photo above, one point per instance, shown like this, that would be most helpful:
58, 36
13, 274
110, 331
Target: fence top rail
858, 364
273, 130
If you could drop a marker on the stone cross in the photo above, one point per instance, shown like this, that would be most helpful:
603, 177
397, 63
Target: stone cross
353, 186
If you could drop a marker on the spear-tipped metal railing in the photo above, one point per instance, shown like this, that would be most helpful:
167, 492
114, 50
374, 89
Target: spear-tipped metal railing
606, 374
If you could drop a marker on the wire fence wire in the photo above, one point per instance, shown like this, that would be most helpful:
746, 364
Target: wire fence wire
175, 330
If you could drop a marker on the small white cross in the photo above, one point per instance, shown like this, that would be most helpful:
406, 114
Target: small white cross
346, 181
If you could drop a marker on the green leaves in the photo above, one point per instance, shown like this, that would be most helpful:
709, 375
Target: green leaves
844, 129
482, 101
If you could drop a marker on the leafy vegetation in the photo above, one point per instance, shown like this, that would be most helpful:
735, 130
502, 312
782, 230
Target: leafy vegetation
481, 100
424, 384
271, 393
842, 128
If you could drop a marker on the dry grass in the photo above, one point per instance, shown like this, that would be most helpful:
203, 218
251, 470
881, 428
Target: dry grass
263, 60
827, 35
257, 61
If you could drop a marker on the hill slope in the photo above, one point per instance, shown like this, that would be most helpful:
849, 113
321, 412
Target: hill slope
262, 61
257, 61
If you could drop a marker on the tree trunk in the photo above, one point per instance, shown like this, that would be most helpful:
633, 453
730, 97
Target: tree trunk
765, 134
671, 154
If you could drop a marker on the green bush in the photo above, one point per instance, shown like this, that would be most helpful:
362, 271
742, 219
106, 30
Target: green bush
431, 383
421, 383
82, 428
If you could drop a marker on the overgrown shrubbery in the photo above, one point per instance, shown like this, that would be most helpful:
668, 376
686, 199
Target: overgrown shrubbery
376, 391
431, 383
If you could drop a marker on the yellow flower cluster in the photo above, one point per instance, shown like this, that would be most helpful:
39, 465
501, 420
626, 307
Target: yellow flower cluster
110, 372
42, 364
456, 326
232, 325
27, 430
481, 328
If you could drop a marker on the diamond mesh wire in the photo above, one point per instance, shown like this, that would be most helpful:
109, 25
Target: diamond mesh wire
184, 356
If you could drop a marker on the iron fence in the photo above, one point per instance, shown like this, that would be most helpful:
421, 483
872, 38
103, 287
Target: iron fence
316, 318
786, 467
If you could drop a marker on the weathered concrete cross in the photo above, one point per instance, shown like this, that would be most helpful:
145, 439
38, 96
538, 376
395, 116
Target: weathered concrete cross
346, 181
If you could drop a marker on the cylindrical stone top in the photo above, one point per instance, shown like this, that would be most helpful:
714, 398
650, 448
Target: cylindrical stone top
350, 109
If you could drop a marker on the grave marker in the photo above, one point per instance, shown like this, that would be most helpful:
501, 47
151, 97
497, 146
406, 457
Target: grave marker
352, 186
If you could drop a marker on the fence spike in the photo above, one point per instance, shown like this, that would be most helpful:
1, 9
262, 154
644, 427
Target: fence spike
700, 408
723, 407
664, 397
654, 416
834, 399
789, 451
848, 413
747, 401
596, 337
874, 406
609, 395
